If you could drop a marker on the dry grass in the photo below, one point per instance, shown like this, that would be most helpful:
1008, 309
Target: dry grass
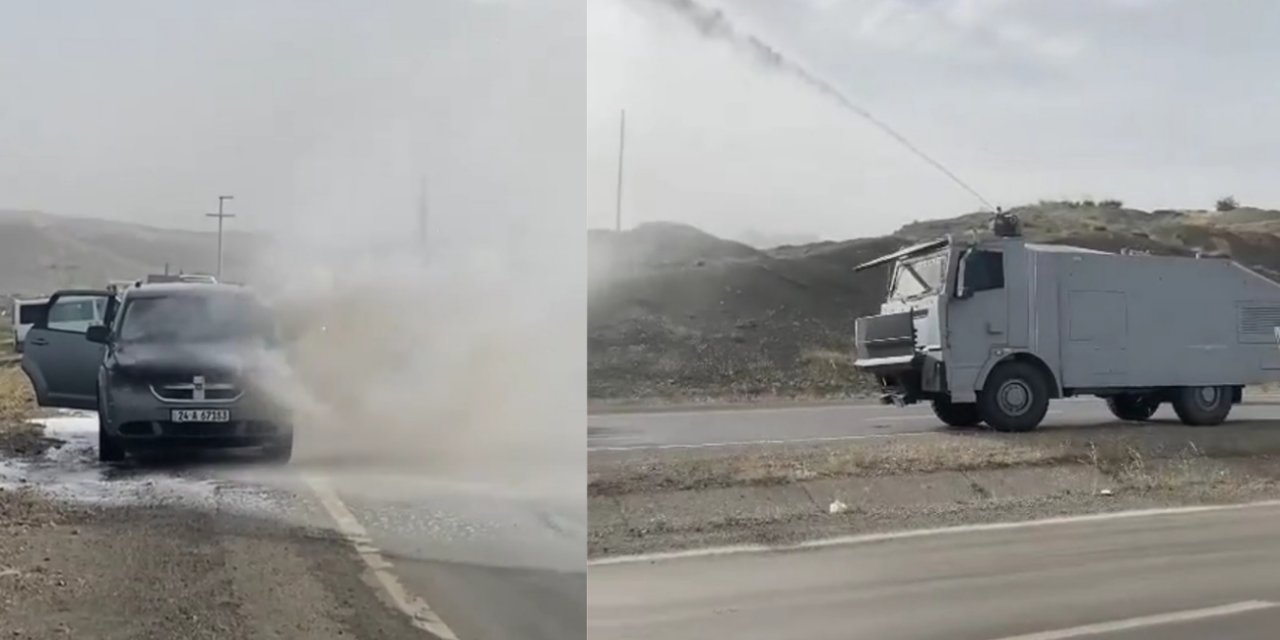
17, 400
792, 464
1146, 457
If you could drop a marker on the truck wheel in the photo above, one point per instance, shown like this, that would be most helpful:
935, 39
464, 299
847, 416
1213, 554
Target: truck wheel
956, 414
1133, 407
109, 448
1202, 406
1015, 397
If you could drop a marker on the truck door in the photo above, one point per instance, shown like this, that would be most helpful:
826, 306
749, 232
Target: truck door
977, 317
59, 359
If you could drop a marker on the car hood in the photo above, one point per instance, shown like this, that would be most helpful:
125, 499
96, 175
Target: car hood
188, 359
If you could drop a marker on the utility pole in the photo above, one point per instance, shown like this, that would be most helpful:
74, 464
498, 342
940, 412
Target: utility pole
622, 142
220, 216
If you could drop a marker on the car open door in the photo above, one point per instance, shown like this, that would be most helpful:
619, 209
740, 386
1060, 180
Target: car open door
59, 359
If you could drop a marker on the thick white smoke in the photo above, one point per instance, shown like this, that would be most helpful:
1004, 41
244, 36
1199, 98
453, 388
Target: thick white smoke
466, 369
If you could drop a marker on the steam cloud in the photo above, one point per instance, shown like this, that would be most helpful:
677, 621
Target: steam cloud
453, 370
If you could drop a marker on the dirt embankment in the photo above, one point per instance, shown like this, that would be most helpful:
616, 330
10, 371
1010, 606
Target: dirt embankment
675, 314
649, 501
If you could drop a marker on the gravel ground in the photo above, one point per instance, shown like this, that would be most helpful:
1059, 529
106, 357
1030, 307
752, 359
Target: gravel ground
91, 572
643, 502
139, 573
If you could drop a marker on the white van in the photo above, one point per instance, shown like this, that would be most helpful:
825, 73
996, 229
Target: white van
25, 314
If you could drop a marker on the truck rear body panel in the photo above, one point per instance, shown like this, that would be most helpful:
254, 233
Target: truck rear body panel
1162, 322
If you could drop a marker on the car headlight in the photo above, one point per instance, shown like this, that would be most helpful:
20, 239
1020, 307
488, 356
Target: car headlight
123, 379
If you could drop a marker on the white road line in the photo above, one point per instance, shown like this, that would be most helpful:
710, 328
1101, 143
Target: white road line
921, 533
1148, 621
417, 609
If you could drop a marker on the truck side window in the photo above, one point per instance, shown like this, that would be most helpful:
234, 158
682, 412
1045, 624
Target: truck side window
984, 270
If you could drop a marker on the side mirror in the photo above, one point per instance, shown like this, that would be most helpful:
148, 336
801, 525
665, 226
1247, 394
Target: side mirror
98, 333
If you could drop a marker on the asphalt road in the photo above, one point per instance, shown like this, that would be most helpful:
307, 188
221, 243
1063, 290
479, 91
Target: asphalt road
475, 557
1176, 577
817, 423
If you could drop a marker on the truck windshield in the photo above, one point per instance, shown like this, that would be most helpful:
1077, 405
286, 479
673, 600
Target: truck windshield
919, 277
190, 318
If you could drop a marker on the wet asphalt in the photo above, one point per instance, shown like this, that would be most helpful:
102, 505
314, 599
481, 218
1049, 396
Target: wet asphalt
851, 421
1179, 576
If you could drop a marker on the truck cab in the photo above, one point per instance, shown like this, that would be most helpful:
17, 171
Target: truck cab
953, 312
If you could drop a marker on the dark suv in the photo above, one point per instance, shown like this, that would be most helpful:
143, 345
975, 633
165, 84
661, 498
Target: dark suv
172, 365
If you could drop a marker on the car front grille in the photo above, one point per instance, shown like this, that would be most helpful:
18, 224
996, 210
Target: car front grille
198, 389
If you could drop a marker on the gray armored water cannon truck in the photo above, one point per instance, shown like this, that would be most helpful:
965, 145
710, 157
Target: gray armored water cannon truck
992, 330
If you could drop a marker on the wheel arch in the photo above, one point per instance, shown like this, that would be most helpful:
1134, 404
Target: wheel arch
1055, 390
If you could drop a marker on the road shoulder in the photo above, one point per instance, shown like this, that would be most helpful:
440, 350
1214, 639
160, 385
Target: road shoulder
157, 572
643, 502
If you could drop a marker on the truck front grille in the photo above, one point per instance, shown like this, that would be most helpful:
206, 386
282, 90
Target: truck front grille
885, 336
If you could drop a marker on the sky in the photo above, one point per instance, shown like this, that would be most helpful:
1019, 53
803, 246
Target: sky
320, 117
1159, 103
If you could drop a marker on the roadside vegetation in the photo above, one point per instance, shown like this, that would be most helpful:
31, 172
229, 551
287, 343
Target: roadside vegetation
642, 501
1123, 455
17, 401
19, 436
6, 330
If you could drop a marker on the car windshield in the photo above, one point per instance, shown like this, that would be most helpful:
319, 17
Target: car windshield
191, 318
918, 277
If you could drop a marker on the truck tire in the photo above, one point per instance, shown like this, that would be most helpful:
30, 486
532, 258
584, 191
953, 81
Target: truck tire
109, 448
956, 414
1015, 397
1202, 406
1133, 407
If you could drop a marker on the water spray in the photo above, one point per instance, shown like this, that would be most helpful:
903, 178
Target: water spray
713, 23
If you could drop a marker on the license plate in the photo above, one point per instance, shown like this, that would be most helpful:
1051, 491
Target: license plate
201, 415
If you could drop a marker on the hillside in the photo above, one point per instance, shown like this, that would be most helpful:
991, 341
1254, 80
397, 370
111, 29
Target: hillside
674, 312
40, 252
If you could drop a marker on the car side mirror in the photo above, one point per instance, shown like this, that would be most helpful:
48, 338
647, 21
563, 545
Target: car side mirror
98, 333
